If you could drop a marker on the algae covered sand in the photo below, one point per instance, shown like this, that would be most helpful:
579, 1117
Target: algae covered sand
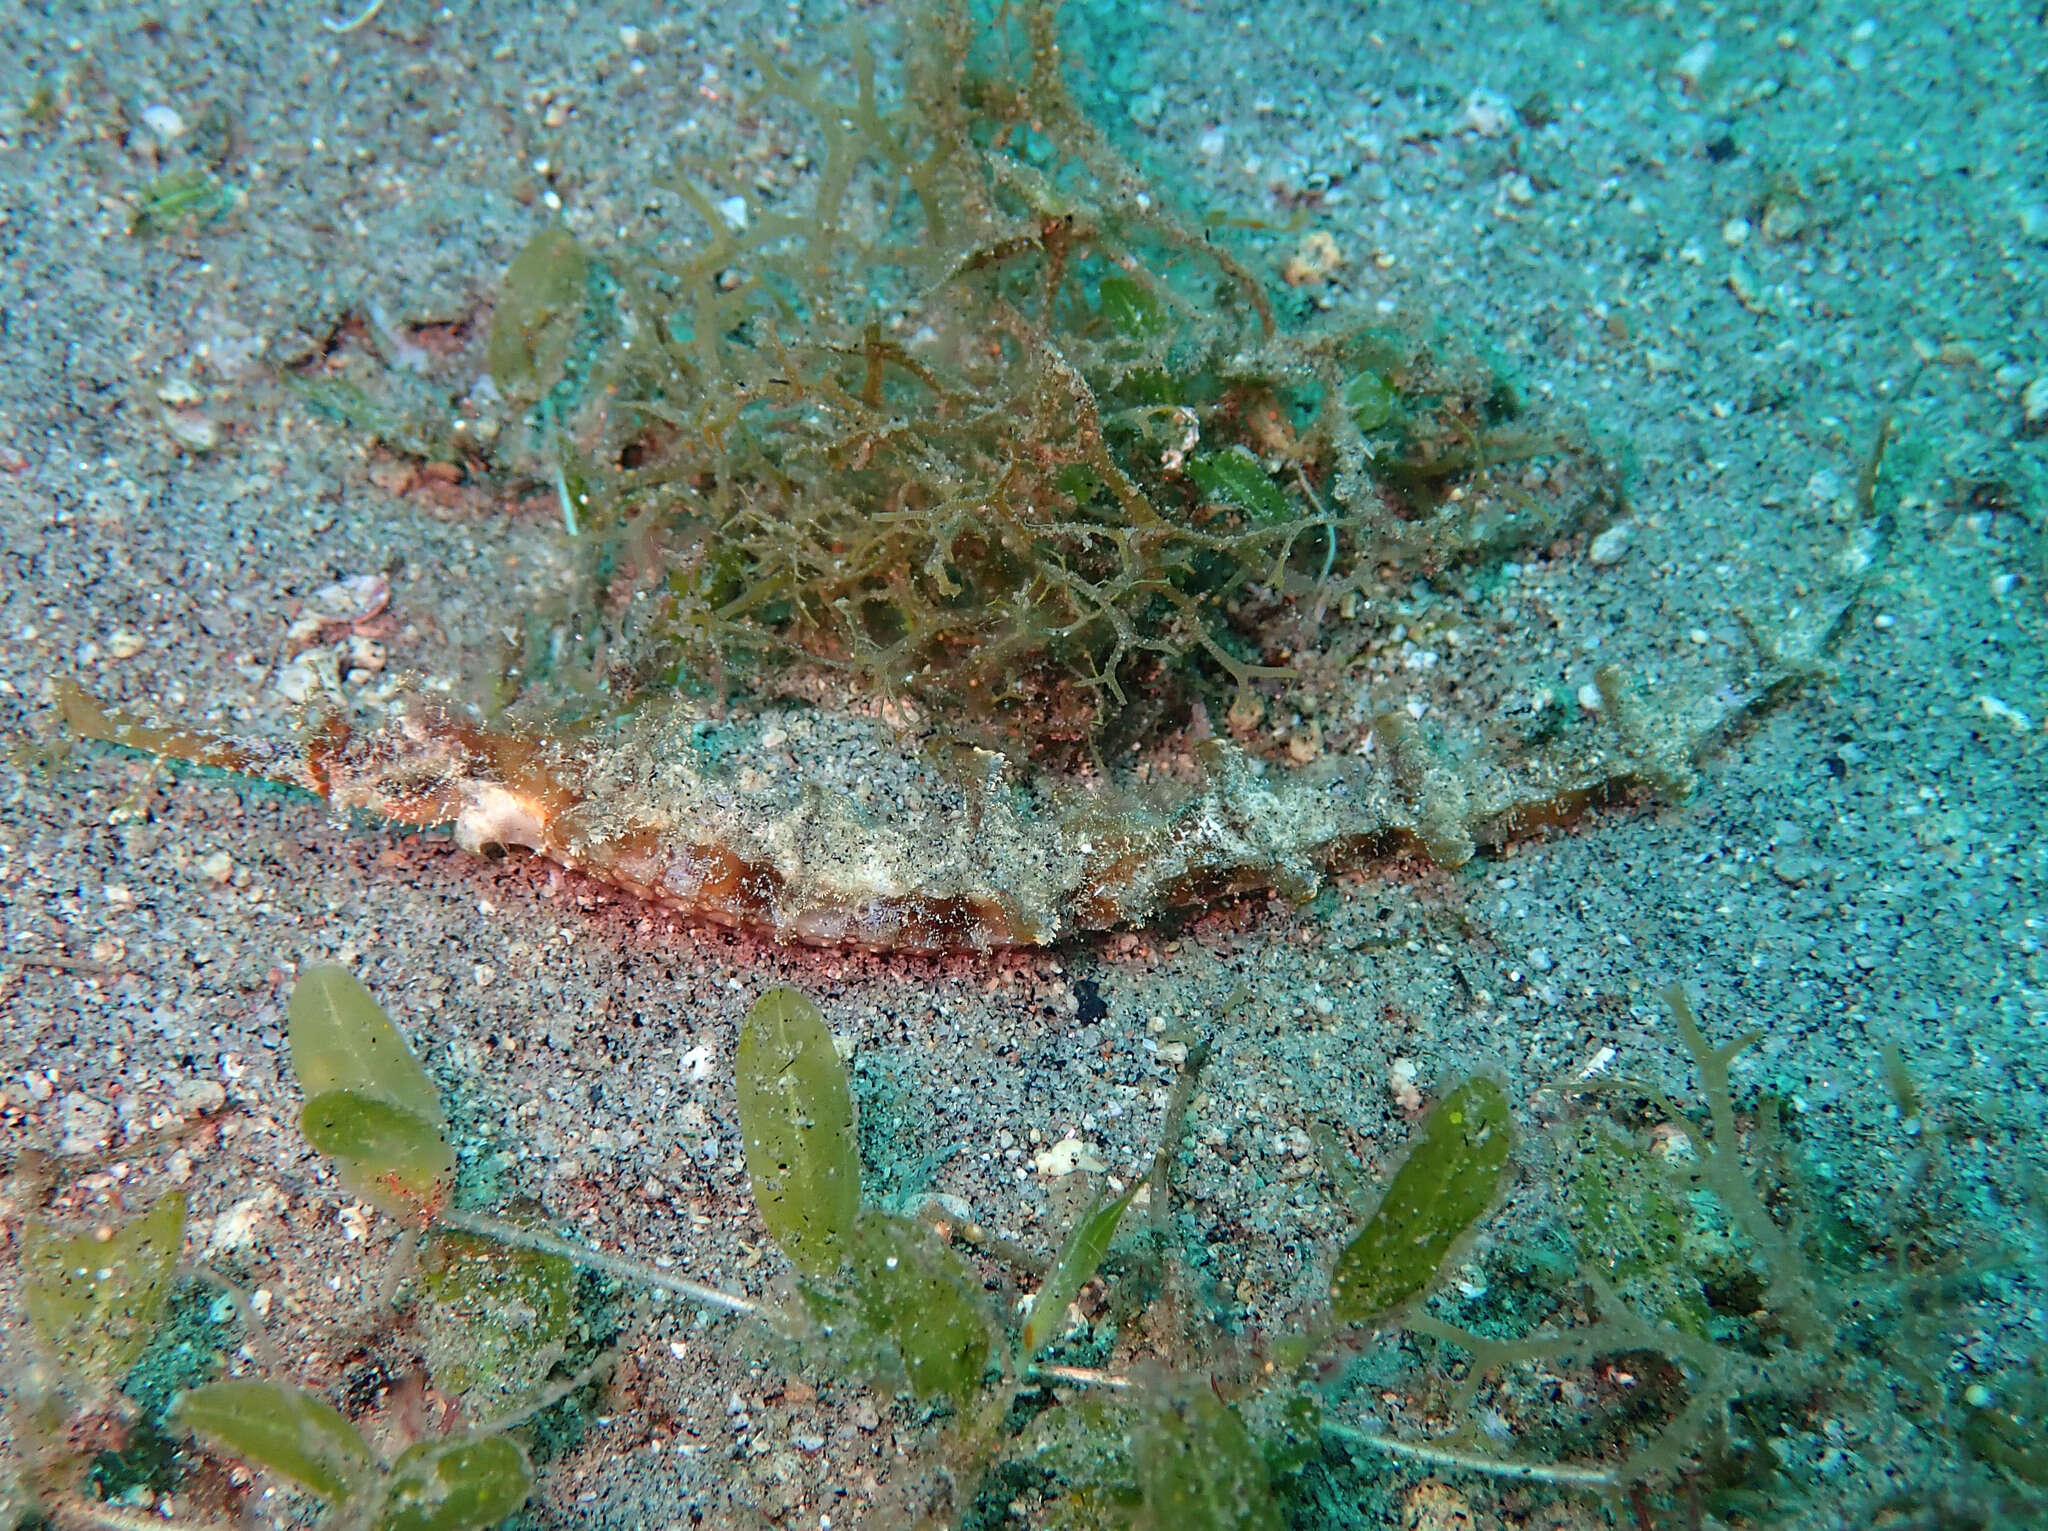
1730, 246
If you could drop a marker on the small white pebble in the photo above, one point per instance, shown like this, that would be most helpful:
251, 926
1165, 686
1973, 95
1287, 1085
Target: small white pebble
1589, 697
218, 867
1486, 114
734, 211
1735, 233
1539, 959
1610, 546
1692, 65
1401, 1084
125, 644
164, 121
1977, 1396
191, 430
1066, 1156
365, 654
1697, 635
484, 975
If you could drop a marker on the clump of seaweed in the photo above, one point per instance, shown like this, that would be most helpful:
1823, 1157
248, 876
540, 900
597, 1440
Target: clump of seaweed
984, 470
988, 430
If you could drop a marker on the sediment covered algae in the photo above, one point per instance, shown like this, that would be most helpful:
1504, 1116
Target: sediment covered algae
929, 533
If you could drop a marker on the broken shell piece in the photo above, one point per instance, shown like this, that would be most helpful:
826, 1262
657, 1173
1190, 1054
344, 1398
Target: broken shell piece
1401, 1084
356, 599
1315, 262
191, 429
1066, 1156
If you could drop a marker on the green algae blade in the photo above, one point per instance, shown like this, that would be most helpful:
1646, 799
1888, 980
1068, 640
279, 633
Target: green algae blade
1447, 1182
796, 1119
1236, 478
341, 1039
94, 1302
1130, 309
1200, 1470
494, 1319
462, 1484
387, 1156
286, 1431
538, 307
1087, 1243
913, 1295
1369, 401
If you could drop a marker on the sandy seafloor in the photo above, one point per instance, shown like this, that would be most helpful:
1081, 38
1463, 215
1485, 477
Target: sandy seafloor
1865, 869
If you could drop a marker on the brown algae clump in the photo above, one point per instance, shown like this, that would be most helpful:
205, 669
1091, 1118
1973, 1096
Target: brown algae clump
985, 430
924, 536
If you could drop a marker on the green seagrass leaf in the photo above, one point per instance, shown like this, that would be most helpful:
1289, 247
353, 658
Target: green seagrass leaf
94, 1302
1449, 1179
1130, 309
494, 1318
1236, 478
796, 1119
384, 1154
461, 1484
1201, 1471
538, 306
912, 1294
341, 1039
285, 1430
1370, 401
1087, 1242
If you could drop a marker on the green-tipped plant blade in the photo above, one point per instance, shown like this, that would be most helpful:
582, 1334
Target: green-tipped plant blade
1448, 1180
463, 1484
386, 1155
285, 1430
1200, 1470
1087, 1243
494, 1318
796, 1117
341, 1039
539, 305
913, 1296
1236, 478
94, 1301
